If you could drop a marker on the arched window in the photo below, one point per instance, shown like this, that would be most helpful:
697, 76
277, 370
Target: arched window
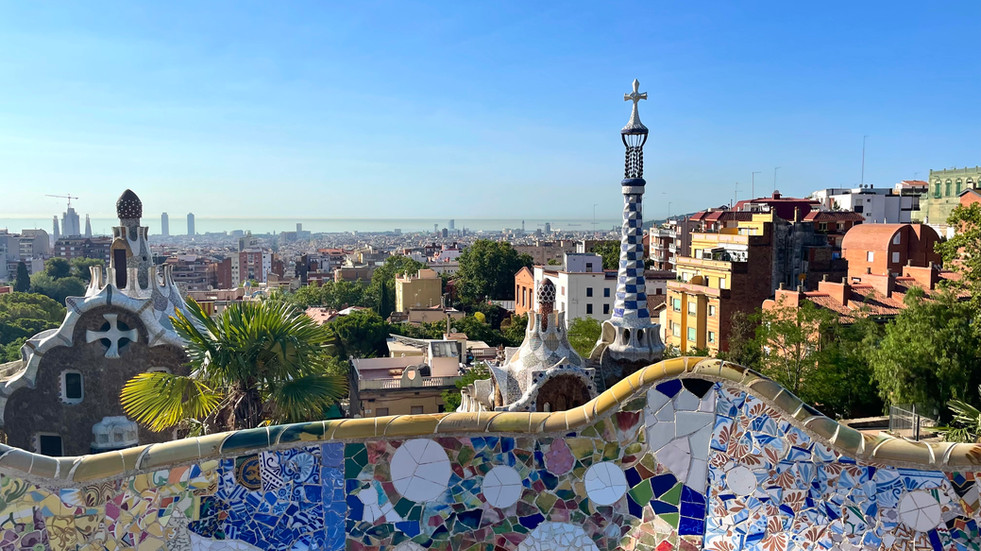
958, 192
936, 189
947, 191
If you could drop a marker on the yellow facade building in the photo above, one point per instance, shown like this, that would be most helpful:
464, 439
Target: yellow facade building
424, 289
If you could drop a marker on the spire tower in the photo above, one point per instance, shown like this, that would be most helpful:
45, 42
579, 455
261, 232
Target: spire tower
629, 335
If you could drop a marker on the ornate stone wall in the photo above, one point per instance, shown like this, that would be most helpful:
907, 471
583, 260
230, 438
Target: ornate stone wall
681, 455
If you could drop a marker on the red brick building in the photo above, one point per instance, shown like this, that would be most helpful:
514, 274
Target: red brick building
884, 249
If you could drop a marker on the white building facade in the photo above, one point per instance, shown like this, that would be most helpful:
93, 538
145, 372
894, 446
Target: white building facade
582, 288
876, 205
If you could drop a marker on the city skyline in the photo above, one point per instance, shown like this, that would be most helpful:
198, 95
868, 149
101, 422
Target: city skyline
371, 110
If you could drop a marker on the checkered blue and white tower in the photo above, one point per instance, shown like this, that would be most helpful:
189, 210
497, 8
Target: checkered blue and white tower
636, 337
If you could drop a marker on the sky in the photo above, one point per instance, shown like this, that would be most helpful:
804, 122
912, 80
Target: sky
473, 110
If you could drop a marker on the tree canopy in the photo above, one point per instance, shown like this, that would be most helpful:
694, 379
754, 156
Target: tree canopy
929, 355
610, 251
583, 334
23, 315
361, 334
487, 271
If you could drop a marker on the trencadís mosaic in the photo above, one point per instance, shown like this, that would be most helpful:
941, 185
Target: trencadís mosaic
679, 457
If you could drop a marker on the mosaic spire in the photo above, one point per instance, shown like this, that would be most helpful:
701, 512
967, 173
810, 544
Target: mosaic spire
633, 336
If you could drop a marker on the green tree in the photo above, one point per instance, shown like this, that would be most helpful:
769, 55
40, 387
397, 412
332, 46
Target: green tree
256, 363
433, 330
744, 348
57, 289
452, 398
477, 330
583, 334
57, 268
513, 330
844, 385
80, 267
23, 315
487, 270
361, 334
380, 294
929, 354
962, 252
610, 251
22, 283
791, 338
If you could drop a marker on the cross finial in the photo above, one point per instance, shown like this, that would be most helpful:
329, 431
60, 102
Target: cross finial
635, 96
634, 126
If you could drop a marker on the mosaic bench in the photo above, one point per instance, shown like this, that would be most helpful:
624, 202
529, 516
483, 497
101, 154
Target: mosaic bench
684, 454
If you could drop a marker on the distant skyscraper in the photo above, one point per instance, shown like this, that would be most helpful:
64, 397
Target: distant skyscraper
452, 224
57, 232
548, 227
88, 226
69, 223
299, 227
164, 225
190, 223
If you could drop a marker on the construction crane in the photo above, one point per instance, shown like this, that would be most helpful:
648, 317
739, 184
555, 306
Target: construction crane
69, 197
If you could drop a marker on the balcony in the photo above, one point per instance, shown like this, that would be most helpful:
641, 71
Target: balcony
394, 384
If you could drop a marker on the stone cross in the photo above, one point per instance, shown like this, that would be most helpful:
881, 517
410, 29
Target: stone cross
635, 96
114, 335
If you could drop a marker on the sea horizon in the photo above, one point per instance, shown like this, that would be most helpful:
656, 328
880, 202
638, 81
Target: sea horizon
275, 225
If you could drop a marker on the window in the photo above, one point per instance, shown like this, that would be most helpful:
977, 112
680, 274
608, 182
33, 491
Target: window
563, 290
416, 410
606, 292
589, 291
870, 256
722, 283
676, 330
895, 257
895, 238
381, 412
49, 444
691, 333
589, 266
947, 188
711, 310
711, 336
71, 387
589, 308
606, 308
692, 307
676, 304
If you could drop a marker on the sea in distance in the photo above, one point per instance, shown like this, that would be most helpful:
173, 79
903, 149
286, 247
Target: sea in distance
178, 224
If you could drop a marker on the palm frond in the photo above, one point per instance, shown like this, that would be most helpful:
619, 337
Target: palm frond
161, 401
307, 397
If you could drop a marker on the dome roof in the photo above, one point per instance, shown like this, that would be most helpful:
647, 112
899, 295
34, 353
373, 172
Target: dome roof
129, 206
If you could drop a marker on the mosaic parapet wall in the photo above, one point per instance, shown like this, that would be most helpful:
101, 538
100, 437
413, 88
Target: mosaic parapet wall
685, 454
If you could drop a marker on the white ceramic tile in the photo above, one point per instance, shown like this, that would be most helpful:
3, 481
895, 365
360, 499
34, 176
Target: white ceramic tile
557, 536
741, 480
707, 404
676, 457
420, 470
699, 443
659, 434
691, 421
686, 401
502, 486
920, 511
697, 475
656, 399
605, 483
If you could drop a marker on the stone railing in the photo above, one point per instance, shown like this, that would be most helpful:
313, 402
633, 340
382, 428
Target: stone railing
684, 454
387, 384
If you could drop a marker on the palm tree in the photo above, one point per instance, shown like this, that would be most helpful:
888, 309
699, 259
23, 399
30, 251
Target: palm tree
256, 363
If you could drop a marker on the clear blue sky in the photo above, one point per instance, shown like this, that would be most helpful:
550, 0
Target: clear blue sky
355, 109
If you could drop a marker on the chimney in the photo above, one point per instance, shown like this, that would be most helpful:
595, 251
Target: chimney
839, 292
